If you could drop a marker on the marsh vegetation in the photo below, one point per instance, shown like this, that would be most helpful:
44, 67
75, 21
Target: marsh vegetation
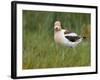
39, 48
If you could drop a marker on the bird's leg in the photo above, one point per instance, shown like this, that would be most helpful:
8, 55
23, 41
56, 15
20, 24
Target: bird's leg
74, 50
63, 55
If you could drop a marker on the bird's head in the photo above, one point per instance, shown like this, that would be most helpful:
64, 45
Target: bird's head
57, 26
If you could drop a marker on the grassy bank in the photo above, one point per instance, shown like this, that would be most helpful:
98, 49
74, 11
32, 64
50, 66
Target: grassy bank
39, 48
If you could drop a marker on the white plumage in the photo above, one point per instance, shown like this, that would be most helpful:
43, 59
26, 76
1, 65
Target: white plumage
64, 37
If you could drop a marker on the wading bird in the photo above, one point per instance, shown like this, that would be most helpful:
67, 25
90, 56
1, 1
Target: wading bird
65, 37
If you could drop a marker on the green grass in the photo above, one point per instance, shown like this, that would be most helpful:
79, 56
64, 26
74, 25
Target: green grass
39, 48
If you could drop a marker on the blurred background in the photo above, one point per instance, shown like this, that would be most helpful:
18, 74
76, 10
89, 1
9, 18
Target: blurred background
39, 48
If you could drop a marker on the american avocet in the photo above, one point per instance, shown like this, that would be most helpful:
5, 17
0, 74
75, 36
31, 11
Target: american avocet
65, 37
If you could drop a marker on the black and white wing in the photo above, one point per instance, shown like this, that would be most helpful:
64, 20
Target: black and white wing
72, 38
